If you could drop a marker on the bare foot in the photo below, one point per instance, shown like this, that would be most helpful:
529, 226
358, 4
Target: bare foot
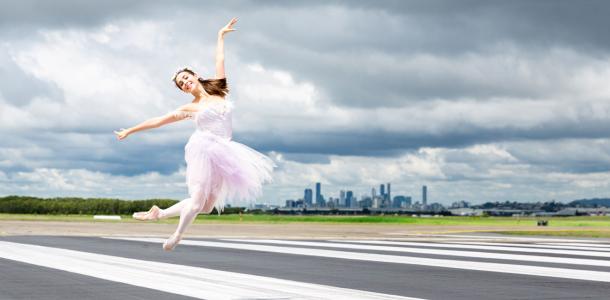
172, 242
152, 214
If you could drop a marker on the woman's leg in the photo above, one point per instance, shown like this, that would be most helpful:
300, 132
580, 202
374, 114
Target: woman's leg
175, 209
209, 206
188, 213
200, 202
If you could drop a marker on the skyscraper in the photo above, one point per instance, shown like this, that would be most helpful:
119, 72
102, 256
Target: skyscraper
341, 198
373, 193
389, 192
318, 194
349, 198
307, 198
382, 190
424, 195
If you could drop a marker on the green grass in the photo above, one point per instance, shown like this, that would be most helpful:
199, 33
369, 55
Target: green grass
583, 222
593, 227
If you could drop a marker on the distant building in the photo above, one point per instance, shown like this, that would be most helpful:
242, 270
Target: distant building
399, 202
436, 207
460, 204
349, 197
389, 194
367, 202
321, 202
376, 202
318, 194
308, 198
424, 195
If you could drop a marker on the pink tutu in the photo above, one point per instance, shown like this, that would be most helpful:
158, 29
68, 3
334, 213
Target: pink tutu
217, 166
224, 168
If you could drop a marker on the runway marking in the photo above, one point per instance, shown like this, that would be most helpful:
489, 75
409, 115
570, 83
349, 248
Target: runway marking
443, 263
483, 246
474, 254
179, 279
483, 237
544, 245
583, 245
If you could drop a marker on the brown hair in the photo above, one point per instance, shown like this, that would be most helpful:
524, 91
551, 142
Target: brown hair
216, 87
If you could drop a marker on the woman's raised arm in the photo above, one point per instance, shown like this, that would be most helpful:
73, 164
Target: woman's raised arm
220, 49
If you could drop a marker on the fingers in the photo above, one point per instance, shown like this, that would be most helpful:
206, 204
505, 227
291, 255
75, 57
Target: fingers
120, 134
232, 22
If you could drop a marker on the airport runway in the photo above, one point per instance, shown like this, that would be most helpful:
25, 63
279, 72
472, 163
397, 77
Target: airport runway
430, 267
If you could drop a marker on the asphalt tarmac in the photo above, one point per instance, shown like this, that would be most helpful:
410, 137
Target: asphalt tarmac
436, 267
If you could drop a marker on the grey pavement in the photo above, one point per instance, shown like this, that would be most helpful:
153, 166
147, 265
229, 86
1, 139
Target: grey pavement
20, 280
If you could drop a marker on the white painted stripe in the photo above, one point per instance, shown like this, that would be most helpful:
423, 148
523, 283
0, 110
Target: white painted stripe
443, 263
178, 279
503, 237
543, 246
583, 245
475, 254
465, 245
102, 217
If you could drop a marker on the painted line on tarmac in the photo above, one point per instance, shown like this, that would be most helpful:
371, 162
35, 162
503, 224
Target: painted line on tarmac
503, 237
543, 245
484, 246
178, 279
473, 254
582, 245
396, 259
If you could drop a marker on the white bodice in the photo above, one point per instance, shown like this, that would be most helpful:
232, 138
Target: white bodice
213, 117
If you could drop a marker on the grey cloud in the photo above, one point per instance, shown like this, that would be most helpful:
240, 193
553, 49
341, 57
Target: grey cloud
352, 51
129, 157
382, 143
340, 58
19, 88
307, 158
564, 155
331, 43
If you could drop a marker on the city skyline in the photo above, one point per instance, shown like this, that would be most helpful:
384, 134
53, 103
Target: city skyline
346, 199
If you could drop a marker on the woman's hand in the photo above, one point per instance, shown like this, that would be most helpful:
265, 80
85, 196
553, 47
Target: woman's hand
122, 133
227, 28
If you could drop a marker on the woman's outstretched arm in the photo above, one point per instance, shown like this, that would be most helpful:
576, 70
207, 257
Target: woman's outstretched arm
220, 49
181, 113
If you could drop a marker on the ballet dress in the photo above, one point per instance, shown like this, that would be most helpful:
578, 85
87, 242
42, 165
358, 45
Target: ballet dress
217, 167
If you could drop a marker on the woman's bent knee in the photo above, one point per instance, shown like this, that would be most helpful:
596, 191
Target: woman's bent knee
196, 207
207, 210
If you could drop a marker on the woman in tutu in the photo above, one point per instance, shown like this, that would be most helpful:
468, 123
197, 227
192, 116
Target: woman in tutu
217, 168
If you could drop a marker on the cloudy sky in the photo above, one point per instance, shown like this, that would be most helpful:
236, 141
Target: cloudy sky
479, 100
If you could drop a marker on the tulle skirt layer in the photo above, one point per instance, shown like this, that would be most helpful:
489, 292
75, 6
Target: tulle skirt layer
221, 170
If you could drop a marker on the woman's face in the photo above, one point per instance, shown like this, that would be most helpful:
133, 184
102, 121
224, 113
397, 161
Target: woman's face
186, 81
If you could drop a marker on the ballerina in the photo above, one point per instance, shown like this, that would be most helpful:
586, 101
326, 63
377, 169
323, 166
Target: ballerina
217, 168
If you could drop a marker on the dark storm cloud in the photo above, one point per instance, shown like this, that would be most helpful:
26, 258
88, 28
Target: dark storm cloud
382, 143
65, 13
133, 157
337, 51
335, 43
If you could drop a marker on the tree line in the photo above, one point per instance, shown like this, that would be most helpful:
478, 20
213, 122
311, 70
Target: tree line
85, 206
